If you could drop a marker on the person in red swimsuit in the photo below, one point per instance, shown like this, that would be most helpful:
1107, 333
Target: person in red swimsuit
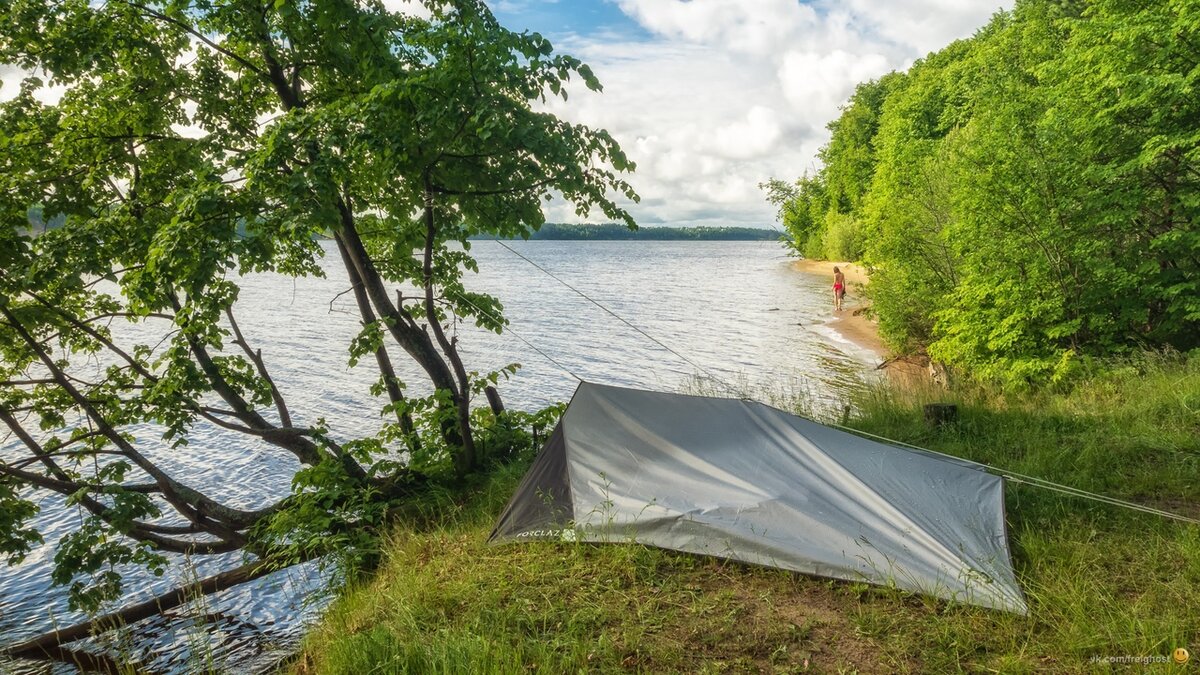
839, 289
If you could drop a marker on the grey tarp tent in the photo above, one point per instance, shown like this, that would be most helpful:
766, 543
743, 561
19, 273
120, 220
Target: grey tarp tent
741, 480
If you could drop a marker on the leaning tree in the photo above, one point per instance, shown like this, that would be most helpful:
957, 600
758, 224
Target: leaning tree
194, 142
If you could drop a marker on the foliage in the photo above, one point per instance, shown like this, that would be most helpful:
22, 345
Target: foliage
516, 434
1030, 195
16, 537
801, 210
843, 238
196, 142
850, 156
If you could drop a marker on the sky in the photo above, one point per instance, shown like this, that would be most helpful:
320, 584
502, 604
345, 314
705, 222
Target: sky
712, 97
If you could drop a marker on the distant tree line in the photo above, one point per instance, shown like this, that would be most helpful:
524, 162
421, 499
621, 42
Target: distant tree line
1025, 198
38, 223
617, 231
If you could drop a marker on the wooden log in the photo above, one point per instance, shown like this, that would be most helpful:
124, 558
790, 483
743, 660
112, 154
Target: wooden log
86, 662
941, 414
49, 645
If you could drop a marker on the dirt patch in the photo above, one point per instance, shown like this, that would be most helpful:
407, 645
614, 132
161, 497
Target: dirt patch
913, 371
1183, 507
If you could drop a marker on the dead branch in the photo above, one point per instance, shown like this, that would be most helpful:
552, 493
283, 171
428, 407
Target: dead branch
48, 644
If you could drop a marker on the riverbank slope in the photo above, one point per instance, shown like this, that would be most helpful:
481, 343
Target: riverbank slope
1101, 581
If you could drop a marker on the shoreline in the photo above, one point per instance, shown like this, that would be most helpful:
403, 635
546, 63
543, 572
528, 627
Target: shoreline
851, 323
853, 326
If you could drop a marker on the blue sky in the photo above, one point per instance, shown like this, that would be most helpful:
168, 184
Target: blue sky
712, 97
557, 18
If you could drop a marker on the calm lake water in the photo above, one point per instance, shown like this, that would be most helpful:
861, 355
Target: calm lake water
736, 308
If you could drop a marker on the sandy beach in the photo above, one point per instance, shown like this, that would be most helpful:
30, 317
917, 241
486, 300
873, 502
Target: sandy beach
850, 323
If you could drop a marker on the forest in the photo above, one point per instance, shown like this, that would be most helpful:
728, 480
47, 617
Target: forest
621, 232
1026, 199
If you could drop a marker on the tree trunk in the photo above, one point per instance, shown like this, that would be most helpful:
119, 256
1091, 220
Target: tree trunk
941, 414
382, 360
466, 461
494, 401
403, 330
412, 339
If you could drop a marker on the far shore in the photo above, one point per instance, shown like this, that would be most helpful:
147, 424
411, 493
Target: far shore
851, 323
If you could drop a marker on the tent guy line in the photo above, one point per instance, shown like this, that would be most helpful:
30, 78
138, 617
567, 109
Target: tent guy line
517, 335
1033, 481
618, 317
1016, 477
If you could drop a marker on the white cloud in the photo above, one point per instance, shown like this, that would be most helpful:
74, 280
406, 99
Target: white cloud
410, 7
750, 26
11, 78
818, 84
923, 25
728, 93
750, 137
700, 152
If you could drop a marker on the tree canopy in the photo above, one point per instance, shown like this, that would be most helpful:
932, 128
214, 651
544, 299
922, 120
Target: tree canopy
195, 142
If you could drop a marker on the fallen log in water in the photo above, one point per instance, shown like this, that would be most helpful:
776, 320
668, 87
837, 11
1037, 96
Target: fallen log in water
49, 646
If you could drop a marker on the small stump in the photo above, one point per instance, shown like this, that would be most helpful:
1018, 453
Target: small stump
941, 414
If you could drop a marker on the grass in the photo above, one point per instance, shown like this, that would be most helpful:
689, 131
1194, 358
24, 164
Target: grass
1101, 581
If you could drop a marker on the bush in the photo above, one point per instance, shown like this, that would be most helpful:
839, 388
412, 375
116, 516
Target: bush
813, 247
843, 237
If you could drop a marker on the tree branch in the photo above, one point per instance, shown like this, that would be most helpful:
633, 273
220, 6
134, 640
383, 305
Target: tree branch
196, 34
187, 501
465, 460
285, 417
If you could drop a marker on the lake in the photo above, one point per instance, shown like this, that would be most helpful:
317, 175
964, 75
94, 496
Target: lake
738, 309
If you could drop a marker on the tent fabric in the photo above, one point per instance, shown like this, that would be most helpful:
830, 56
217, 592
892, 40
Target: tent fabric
741, 480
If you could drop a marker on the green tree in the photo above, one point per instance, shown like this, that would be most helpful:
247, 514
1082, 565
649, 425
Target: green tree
849, 157
197, 141
1076, 210
909, 206
1028, 196
1125, 92
808, 207
1015, 312
801, 208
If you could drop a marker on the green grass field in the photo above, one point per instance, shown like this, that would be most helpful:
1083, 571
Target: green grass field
1101, 581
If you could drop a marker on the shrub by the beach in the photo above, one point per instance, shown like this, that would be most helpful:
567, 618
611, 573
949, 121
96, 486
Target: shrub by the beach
843, 237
